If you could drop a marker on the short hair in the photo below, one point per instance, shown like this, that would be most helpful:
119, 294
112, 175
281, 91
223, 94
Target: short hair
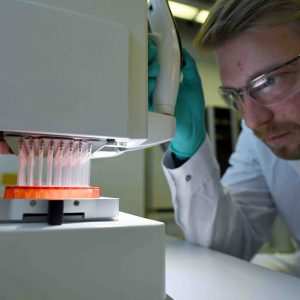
228, 18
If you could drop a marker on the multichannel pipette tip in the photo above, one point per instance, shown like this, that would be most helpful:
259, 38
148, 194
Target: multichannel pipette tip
53, 169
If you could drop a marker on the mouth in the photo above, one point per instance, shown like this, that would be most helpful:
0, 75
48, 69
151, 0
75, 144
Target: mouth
278, 139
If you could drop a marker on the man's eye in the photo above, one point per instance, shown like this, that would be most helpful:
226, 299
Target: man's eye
279, 81
265, 83
271, 80
268, 81
258, 82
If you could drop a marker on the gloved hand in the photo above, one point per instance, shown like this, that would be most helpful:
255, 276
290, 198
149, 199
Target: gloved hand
153, 70
189, 112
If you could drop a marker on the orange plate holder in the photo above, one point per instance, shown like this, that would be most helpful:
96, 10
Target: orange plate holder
50, 192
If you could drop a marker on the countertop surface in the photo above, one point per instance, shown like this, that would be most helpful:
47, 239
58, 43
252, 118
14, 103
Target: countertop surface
193, 272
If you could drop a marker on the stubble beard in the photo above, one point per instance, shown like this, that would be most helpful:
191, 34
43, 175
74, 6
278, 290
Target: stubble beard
290, 151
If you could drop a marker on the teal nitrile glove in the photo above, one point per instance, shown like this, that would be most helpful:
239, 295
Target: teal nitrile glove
153, 70
189, 112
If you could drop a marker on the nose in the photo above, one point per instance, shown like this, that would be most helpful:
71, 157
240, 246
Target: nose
255, 114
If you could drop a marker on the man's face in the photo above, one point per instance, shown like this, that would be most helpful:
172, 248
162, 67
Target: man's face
249, 55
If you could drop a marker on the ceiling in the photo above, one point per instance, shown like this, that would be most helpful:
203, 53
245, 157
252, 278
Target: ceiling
198, 3
205, 1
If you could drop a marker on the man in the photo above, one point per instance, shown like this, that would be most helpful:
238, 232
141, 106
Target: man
257, 44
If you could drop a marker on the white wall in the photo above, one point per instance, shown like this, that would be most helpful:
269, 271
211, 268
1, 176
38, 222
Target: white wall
122, 177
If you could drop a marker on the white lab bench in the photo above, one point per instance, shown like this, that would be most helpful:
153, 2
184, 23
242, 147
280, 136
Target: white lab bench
193, 272
120, 259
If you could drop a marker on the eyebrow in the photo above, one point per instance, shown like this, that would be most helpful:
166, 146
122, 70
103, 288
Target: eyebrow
255, 75
271, 68
263, 71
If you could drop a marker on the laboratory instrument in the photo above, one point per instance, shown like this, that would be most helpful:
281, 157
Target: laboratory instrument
73, 86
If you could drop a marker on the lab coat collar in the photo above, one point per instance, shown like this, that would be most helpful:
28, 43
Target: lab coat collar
295, 164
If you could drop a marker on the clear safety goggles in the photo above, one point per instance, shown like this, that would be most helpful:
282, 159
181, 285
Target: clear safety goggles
273, 87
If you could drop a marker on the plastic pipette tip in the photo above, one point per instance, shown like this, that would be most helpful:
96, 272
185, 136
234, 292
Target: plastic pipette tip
50, 193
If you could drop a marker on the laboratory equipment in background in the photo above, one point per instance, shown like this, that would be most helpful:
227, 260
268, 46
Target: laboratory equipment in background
73, 86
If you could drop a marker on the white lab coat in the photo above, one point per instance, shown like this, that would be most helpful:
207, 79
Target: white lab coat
235, 215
